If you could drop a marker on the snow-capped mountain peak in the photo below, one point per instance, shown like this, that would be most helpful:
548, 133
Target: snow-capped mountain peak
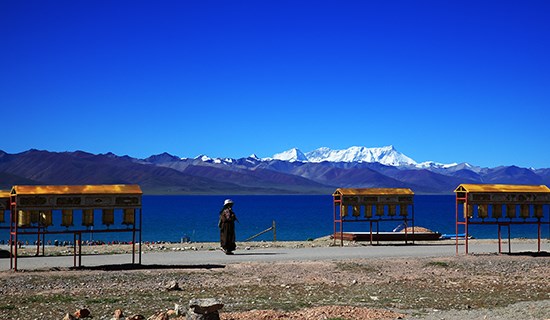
385, 155
291, 155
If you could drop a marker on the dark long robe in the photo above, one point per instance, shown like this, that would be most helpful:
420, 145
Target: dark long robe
227, 229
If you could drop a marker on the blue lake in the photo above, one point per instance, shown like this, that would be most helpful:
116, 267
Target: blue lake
170, 218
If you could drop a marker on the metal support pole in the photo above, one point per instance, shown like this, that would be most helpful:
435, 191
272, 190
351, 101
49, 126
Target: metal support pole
74, 249
134, 239
79, 249
38, 242
140, 226
499, 241
509, 240
412, 223
456, 226
466, 220
370, 229
539, 236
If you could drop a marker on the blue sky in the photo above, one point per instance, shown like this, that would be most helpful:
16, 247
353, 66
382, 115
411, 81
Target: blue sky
448, 81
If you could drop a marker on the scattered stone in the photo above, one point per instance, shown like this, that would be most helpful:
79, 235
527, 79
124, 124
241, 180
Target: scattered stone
82, 313
204, 309
118, 315
159, 316
69, 316
178, 310
173, 286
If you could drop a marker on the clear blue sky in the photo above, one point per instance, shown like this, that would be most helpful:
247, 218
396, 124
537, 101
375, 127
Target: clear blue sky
448, 81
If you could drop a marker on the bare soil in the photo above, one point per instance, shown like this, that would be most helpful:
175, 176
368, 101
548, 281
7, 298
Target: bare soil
474, 287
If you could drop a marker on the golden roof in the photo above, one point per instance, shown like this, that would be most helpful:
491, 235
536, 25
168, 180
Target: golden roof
83, 189
502, 188
373, 191
4, 194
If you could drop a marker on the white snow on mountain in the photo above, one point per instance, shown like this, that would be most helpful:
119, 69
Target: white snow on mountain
432, 164
291, 155
387, 155
384, 155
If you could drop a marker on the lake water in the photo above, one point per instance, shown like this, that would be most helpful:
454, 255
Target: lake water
300, 217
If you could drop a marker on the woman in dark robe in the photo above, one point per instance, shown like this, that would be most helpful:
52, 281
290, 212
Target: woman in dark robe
227, 227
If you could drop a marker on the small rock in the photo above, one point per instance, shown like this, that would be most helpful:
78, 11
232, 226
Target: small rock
159, 316
118, 314
82, 313
173, 286
179, 310
204, 309
69, 316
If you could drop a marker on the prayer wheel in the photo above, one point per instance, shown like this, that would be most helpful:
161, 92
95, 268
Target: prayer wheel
403, 210
343, 211
67, 217
88, 217
23, 218
538, 212
129, 216
108, 217
46, 218
35, 216
497, 211
2, 212
368, 211
524, 211
468, 211
356, 211
392, 210
379, 210
510, 211
483, 211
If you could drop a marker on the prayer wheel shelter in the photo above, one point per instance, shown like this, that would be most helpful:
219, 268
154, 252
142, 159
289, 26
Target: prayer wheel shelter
4, 207
502, 205
43, 210
372, 206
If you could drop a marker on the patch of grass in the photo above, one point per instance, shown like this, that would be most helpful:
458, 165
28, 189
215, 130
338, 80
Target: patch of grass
106, 300
355, 267
57, 298
440, 264
7, 307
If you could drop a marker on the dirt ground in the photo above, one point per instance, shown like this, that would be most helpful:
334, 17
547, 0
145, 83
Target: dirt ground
488, 286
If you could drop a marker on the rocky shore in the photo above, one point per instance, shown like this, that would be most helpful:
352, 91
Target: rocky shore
482, 286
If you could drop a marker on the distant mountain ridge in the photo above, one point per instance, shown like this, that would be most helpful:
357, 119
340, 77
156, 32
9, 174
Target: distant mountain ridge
384, 155
320, 171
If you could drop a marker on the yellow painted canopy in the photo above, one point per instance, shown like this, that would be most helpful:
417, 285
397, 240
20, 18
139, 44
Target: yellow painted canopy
4, 194
77, 189
502, 188
372, 191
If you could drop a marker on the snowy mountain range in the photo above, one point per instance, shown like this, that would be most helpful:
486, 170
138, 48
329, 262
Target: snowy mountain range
320, 171
385, 155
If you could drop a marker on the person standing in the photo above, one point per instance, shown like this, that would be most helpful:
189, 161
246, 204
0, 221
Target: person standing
226, 224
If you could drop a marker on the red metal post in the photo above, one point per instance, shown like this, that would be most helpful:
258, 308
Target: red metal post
134, 239
456, 225
499, 240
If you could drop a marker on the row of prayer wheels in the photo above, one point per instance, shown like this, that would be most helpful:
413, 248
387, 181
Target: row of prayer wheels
378, 210
497, 211
44, 218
